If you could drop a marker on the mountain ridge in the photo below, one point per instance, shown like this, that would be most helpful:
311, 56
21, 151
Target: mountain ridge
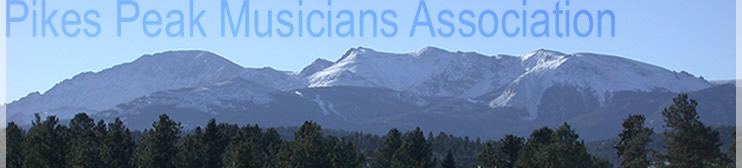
124, 82
432, 83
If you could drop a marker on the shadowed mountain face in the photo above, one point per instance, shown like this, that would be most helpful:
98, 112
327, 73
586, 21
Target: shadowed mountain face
463, 93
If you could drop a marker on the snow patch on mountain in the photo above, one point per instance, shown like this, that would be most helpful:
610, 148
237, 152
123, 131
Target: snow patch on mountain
331, 107
299, 93
269, 77
601, 74
328, 108
430, 71
317, 65
321, 105
220, 95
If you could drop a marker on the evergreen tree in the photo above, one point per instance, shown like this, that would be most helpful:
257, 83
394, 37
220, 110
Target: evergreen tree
555, 149
270, 136
159, 146
632, 145
487, 158
272, 147
449, 161
85, 149
539, 139
227, 131
733, 147
507, 154
689, 143
465, 150
416, 152
601, 163
284, 157
14, 146
344, 154
46, 143
392, 142
309, 147
215, 142
244, 151
120, 144
565, 151
101, 131
192, 153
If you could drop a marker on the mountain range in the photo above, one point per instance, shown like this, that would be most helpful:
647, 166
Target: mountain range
464, 93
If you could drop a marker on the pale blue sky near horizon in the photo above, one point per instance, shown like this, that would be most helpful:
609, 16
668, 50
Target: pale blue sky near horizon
694, 36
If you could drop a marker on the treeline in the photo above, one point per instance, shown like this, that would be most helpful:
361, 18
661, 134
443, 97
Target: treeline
86, 143
606, 148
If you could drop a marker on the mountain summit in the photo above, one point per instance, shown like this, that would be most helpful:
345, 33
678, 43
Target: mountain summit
430, 71
96, 91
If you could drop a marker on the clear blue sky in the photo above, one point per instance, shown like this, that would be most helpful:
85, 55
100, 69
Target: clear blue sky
695, 36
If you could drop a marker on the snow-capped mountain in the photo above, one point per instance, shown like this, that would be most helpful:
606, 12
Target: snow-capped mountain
503, 81
430, 71
598, 75
95, 91
370, 90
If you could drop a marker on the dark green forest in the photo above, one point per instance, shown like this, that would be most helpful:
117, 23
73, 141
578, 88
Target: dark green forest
85, 142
